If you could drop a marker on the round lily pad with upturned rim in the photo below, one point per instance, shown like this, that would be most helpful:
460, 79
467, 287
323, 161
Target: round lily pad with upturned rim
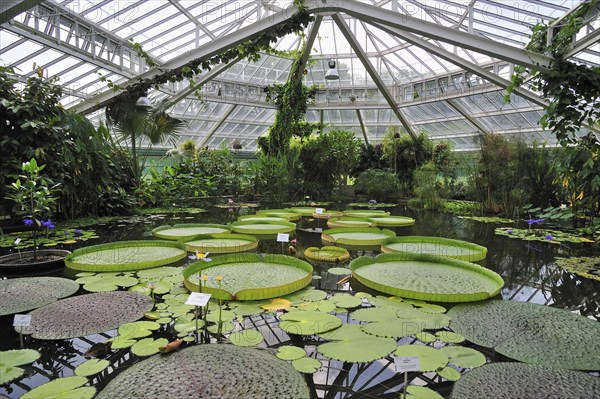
307, 365
284, 213
349, 222
22, 294
249, 276
392, 221
525, 381
328, 253
290, 352
356, 238
531, 333
305, 210
91, 367
328, 214
86, 314
365, 213
188, 230
222, 243
242, 372
427, 277
457, 249
126, 255
262, 218
263, 230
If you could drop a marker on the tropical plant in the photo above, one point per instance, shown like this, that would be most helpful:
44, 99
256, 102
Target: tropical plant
34, 197
426, 188
405, 153
377, 184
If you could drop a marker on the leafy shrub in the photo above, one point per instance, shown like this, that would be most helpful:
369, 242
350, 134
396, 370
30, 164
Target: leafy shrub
377, 184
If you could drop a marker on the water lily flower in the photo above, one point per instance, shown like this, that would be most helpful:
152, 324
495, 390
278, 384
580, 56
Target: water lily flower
67, 233
48, 224
28, 222
78, 232
549, 237
534, 221
219, 278
204, 277
563, 206
152, 285
201, 256
509, 231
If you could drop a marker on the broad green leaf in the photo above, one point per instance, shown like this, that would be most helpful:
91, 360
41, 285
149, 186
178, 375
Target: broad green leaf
314, 295
466, 358
348, 338
418, 392
18, 357
308, 322
346, 301
449, 337
318, 306
148, 346
289, 352
430, 359
9, 373
425, 337
449, 373
307, 365
91, 367
339, 271
438, 246
61, 388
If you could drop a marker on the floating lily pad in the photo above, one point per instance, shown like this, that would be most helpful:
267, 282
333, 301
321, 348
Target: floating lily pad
307, 365
242, 373
466, 358
348, 338
62, 388
346, 301
305, 210
314, 295
545, 235
22, 294
222, 243
392, 221
350, 222
249, 276
583, 266
449, 373
109, 283
456, 249
366, 213
339, 271
430, 359
303, 322
525, 381
427, 277
284, 213
9, 360
148, 346
356, 238
277, 304
187, 231
262, 218
531, 333
125, 255
318, 306
86, 314
419, 392
328, 214
289, 352
263, 230
159, 272
91, 367
488, 219
248, 308
327, 253
246, 338
425, 337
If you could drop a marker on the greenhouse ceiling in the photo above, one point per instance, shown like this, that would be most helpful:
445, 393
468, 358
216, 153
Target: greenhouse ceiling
438, 66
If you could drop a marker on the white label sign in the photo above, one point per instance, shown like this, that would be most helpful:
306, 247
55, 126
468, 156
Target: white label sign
283, 237
198, 299
406, 363
17, 241
22, 320
319, 210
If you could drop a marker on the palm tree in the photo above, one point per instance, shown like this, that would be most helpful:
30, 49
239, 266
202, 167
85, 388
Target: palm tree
137, 124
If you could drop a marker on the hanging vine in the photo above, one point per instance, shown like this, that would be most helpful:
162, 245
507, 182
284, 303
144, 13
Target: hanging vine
573, 89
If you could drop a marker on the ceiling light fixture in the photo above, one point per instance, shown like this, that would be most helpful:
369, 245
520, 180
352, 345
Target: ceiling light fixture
143, 102
332, 73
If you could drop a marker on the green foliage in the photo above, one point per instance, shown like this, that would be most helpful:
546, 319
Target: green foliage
405, 154
9, 360
370, 157
377, 184
276, 177
425, 186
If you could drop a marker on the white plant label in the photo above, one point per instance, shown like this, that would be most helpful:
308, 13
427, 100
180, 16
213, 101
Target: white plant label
283, 237
406, 363
319, 210
22, 320
198, 299
17, 241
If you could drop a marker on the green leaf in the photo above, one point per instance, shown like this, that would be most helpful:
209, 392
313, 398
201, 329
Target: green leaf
346, 301
148, 346
449, 373
418, 392
308, 322
348, 338
246, 338
339, 271
18, 357
289, 352
307, 365
430, 359
425, 337
67, 387
466, 358
91, 367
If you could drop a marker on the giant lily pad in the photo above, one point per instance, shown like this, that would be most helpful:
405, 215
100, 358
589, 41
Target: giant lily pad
392, 221
125, 255
525, 381
366, 213
307, 322
21, 294
262, 218
283, 213
531, 333
222, 243
86, 314
249, 276
350, 222
304, 210
263, 230
327, 253
188, 231
456, 249
242, 373
9, 360
427, 277
348, 338
356, 238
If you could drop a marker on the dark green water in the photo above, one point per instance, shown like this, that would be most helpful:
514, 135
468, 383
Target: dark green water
528, 269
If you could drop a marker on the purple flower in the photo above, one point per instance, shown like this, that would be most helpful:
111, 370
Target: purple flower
549, 237
67, 233
78, 232
534, 221
28, 222
509, 231
48, 224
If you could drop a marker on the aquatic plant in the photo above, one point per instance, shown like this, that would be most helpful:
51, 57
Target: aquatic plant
456, 249
222, 243
187, 231
21, 294
356, 238
10, 360
328, 253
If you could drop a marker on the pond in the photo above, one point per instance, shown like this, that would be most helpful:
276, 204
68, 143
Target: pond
528, 268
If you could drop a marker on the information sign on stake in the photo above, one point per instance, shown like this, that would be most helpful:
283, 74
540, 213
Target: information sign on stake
22, 320
283, 237
198, 299
319, 210
17, 241
406, 363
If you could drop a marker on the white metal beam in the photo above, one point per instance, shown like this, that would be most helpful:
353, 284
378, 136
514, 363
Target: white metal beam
203, 52
373, 73
11, 8
362, 125
407, 23
468, 117
218, 125
189, 15
312, 35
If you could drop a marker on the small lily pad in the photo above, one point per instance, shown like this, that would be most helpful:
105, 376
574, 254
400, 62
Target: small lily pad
449, 373
346, 301
246, 338
318, 306
307, 365
425, 337
308, 322
339, 271
277, 304
418, 392
91, 367
148, 346
430, 359
290, 352
67, 387
348, 338
9, 360
466, 358
314, 295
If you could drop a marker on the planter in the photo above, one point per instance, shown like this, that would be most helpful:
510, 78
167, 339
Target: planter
23, 262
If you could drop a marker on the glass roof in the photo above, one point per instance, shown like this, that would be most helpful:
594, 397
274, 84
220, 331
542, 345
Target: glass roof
391, 72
